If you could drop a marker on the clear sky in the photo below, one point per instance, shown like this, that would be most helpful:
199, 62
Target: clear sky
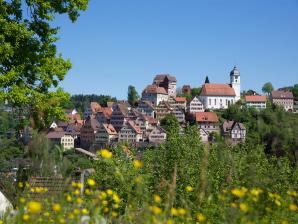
117, 43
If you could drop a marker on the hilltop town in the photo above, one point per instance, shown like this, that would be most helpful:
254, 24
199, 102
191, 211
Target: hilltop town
140, 124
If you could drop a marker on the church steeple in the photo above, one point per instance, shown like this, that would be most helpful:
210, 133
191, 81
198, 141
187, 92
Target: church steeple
235, 81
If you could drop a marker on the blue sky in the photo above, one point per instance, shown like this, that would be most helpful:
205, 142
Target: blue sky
119, 43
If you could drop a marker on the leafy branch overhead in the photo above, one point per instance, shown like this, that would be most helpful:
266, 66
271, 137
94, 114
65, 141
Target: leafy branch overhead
30, 67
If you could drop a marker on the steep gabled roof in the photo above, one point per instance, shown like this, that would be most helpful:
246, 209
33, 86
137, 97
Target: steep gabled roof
161, 78
134, 127
217, 89
206, 117
56, 134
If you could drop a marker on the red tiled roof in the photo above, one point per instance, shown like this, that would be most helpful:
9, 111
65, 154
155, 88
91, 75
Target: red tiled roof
217, 89
180, 99
255, 98
154, 89
206, 116
135, 127
282, 94
110, 129
107, 111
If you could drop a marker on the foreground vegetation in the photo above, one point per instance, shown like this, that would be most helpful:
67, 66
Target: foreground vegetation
181, 181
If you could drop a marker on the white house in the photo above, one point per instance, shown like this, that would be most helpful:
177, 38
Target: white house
195, 105
130, 132
258, 102
61, 138
221, 96
155, 94
158, 135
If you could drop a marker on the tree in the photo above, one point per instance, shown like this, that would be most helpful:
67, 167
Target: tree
267, 88
207, 79
132, 95
295, 91
30, 68
195, 91
170, 124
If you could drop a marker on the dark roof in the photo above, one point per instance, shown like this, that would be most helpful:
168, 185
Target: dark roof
229, 125
279, 94
161, 78
55, 134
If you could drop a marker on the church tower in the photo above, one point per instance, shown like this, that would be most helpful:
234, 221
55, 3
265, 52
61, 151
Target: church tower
235, 82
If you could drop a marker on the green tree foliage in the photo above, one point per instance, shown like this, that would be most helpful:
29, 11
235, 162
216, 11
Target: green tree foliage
170, 124
195, 91
207, 79
30, 67
267, 88
132, 96
295, 91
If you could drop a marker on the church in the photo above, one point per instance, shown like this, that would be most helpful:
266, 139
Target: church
221, 96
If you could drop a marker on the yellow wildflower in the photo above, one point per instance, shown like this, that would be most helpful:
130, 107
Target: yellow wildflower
244, 207
239, 192
61, 220
26, 217
201, 217
106, 154
106, 210
292, 193
181, 211
88, 191
68, 198
76, 211
110, 192
189, 188
46, 214
79, 201
115, 206
102, 195
137, 164
77, 192
155, 210
277, 202
293, 207
156, 198
174, 212
114, 214
105, 202
116, 198
256, 191
91, 182
71, 216
34, 207
170, 221
22, 200
56, 207
138, 180
20, 184
85, 211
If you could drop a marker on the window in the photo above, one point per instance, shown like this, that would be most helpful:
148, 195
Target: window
209, 101
214, 101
